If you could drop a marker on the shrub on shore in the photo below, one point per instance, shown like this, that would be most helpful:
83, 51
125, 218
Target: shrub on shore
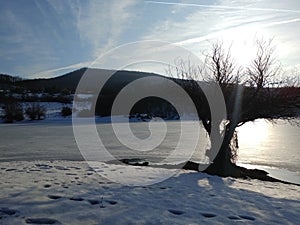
12, 111
36, 112
66, 111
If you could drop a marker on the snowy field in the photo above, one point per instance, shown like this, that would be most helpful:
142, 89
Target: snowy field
64, 192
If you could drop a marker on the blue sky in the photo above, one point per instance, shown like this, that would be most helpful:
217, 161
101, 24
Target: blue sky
47, 38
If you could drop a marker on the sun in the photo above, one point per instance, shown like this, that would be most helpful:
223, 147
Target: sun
242, 43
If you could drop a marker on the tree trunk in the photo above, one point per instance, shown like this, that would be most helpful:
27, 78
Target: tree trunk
222, 165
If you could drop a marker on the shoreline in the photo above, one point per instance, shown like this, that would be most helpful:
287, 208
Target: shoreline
260, 172
283, 174
247, 173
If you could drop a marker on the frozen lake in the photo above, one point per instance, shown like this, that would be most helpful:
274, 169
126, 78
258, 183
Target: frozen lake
267, 144
263, 144
53, 139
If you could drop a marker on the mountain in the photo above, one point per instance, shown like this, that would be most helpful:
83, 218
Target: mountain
56, 84
70, 80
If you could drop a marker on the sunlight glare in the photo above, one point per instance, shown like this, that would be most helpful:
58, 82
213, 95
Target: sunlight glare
241, 42
253, 133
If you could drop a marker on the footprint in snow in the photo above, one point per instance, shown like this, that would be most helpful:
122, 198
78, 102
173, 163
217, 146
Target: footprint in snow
234, 217
96, 202
208, 215
61, 168
71, 174
176, 212
43, 166
78, 199
90, 169
54, 196
34, 170
247, 217
8, 211
93, 201
74, 167
240, 217
111, 202
41, 221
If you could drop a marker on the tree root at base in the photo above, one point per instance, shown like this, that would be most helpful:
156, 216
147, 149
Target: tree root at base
234, 171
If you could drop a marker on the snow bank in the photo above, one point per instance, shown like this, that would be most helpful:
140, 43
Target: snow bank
65, 192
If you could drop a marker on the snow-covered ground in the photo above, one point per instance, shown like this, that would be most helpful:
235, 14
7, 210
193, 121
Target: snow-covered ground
65, 192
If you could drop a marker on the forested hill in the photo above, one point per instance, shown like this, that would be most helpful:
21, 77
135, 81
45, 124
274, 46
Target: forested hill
67, 81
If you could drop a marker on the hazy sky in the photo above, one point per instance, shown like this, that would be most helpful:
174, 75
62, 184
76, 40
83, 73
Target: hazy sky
46, 38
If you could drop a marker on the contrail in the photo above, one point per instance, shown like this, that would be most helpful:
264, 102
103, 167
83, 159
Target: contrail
224, 7
281, 22
199, 39
217, 33
50, 73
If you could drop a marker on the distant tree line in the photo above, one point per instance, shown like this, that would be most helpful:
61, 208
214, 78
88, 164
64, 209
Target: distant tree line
7, 79
14, 111
23, 96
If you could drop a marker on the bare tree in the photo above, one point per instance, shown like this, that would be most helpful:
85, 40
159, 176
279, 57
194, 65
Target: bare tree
221, 65
246, 99
264, 67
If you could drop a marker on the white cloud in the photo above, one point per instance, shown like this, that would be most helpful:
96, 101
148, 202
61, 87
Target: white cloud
234, 22
101, 23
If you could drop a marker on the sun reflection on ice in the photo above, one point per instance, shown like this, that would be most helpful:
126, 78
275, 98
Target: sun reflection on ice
254, 133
